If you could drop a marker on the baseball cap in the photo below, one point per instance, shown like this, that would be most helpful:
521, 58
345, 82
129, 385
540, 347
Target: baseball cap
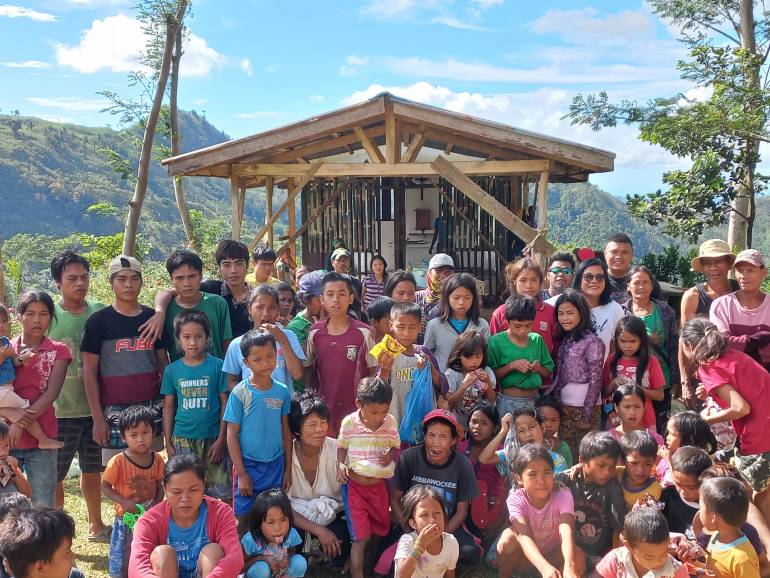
310, 283
441, 260
122, 262
751, 256
446, 416
340, 252
711, 249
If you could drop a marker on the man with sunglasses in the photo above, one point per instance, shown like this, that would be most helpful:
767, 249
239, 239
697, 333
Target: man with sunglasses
560, 272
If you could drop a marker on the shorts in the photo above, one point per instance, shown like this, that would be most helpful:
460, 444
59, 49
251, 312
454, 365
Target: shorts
120, 549
219, 481
510, 403
264, 476
76, 433
366, 509
755, 469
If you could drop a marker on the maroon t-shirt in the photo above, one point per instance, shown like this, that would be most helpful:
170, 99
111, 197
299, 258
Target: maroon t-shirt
544, 324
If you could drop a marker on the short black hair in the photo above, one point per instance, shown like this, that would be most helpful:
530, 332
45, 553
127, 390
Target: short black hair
528, 410
231, 249
373, 390
549, 401
620, 238
181, 463
690, 461
256, 338
182, 257
520, 308
627, 390
30, 535
397, 277
727, 498
13, 502
274, 498
406, 309
380, 308
264, 289
61, 260
562, 256
640, 441
263, 252
599, 443
645, 526
134, 415
335, 277
192, 316
303, 406
527, 454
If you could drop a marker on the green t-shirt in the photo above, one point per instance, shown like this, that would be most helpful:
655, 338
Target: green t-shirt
197, 389
654, 324
501, 350
218, 313
301, 327
69, 328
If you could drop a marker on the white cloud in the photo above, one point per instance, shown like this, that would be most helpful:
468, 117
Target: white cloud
455, 22
352, 65
390, 9
257, 114
200, 101
467, 15
20, 12
587, 26
245, 66
199, 58
488, 3
316, 98
71, 103
27, 64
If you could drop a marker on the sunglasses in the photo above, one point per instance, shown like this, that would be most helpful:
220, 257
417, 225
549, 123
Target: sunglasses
561, 270
591, 277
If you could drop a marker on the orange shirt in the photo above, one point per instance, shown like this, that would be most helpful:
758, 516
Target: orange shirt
133, 481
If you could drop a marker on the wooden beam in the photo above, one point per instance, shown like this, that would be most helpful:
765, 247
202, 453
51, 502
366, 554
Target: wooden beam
235, 209
392, 136
241, 203
448, 148
269, 221
485, 168
291, 207
516, 196
413, 150
371, 149
542, 201
451, 173
322, 146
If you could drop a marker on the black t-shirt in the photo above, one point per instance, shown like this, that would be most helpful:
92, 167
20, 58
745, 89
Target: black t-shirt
455, 480
679, 514
240, 320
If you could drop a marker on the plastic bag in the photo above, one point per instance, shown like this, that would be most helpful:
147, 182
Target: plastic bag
418, 403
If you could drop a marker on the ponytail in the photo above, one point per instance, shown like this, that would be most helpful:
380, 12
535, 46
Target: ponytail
705, 340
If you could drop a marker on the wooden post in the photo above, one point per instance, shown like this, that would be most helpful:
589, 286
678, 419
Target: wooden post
236, 211
392, 136
269, 209
241, 204
399, 234
292, 215
542, 200
516, 196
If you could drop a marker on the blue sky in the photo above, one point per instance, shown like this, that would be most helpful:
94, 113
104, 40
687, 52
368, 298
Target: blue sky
253, 65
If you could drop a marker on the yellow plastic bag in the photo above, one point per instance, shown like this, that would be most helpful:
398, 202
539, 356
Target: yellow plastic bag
387, 344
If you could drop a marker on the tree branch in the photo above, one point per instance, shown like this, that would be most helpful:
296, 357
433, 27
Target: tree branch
718, 31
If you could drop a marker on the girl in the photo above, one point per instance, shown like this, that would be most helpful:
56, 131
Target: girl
632, 363
458, 311
741, 387
687, 428
578, 377
525, 277
551, 413
428, 551
469, 378
629, 401
374, 283
269, 545
401, 286
542, 521
287, 303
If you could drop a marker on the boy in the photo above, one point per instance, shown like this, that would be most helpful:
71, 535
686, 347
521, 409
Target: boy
133, 478
405, 323
640, 452
37, 542
232, 259
264, 259
338, 350
366, 454
195, 394
258, 436
379, 317
680, 502
518, 356
186, 271
310, 295
599, 504
12, 479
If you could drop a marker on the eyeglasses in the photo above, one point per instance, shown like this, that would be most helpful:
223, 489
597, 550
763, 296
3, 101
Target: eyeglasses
561, 270
591, 277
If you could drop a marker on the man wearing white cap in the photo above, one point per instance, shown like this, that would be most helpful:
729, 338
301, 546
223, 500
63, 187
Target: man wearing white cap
440, 267
744, 316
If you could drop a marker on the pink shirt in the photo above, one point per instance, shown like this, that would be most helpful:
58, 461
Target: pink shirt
544, 324
32, 380
739, 323
543, 523
366, 446
653, 379
753, 383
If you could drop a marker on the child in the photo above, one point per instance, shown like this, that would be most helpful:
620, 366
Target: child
263, 258
680, 502
550, 412
577, 383
685, 428
9, 400
132, 479
269, 546
257, 416
640, 452
457, 312
378, 313
629, 403
405, 319
195, 394
645, 549
599, 503
468, 377
632, 363
428, 551
12, 479
519, 357
542, 515
338, 350
310, 296
366, 454
287, 303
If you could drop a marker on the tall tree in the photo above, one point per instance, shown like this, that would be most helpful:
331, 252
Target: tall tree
728, 49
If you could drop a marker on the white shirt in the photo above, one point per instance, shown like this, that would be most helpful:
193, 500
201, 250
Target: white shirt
430, 565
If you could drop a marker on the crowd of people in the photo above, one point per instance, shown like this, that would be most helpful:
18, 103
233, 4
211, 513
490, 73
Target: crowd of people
265, 422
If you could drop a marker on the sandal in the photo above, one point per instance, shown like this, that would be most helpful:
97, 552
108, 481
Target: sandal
101, 537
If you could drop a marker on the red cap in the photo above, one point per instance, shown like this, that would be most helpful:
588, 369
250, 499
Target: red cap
446, 415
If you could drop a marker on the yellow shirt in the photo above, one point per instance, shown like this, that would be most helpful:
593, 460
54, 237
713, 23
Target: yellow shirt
632, 495
737, 559
251, 279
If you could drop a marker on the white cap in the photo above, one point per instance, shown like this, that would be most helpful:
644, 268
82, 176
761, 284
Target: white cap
440, 260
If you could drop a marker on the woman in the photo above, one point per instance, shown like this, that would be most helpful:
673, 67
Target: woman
401, 287
744, 316
39, 381
316, 493
660, 320
591, 281
440, 267
374, 282
188, 534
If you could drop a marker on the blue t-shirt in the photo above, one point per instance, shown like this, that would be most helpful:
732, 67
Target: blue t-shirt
459, 325
197, 390
559, 463
188, 543
259, 414
234, 364
252, 548
7, 369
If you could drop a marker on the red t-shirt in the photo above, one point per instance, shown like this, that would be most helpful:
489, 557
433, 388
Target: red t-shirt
653, 379
749, 379
544, 324
32, 380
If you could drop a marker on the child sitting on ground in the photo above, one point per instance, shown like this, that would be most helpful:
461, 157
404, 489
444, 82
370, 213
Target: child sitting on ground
637, 479
629, 402
11, 477
469, 379
680, 501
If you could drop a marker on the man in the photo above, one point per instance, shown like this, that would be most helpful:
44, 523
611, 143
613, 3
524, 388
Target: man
264, 260
71, 272
560, 273
619, 253
232, 258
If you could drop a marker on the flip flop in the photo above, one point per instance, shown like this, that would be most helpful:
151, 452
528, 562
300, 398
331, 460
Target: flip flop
102, 537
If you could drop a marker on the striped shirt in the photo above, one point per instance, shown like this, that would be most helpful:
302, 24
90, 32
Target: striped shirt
374, 289
365, 446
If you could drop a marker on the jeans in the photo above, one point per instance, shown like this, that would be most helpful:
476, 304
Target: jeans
40, 468
509, 403
297, 568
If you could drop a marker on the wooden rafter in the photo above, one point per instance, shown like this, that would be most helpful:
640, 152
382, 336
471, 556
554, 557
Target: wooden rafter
236, 211
418, 139
323, 146
371, 149
542, 199
392, 135
269, 209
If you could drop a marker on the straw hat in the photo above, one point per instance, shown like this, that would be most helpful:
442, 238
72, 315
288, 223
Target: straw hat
712, 249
